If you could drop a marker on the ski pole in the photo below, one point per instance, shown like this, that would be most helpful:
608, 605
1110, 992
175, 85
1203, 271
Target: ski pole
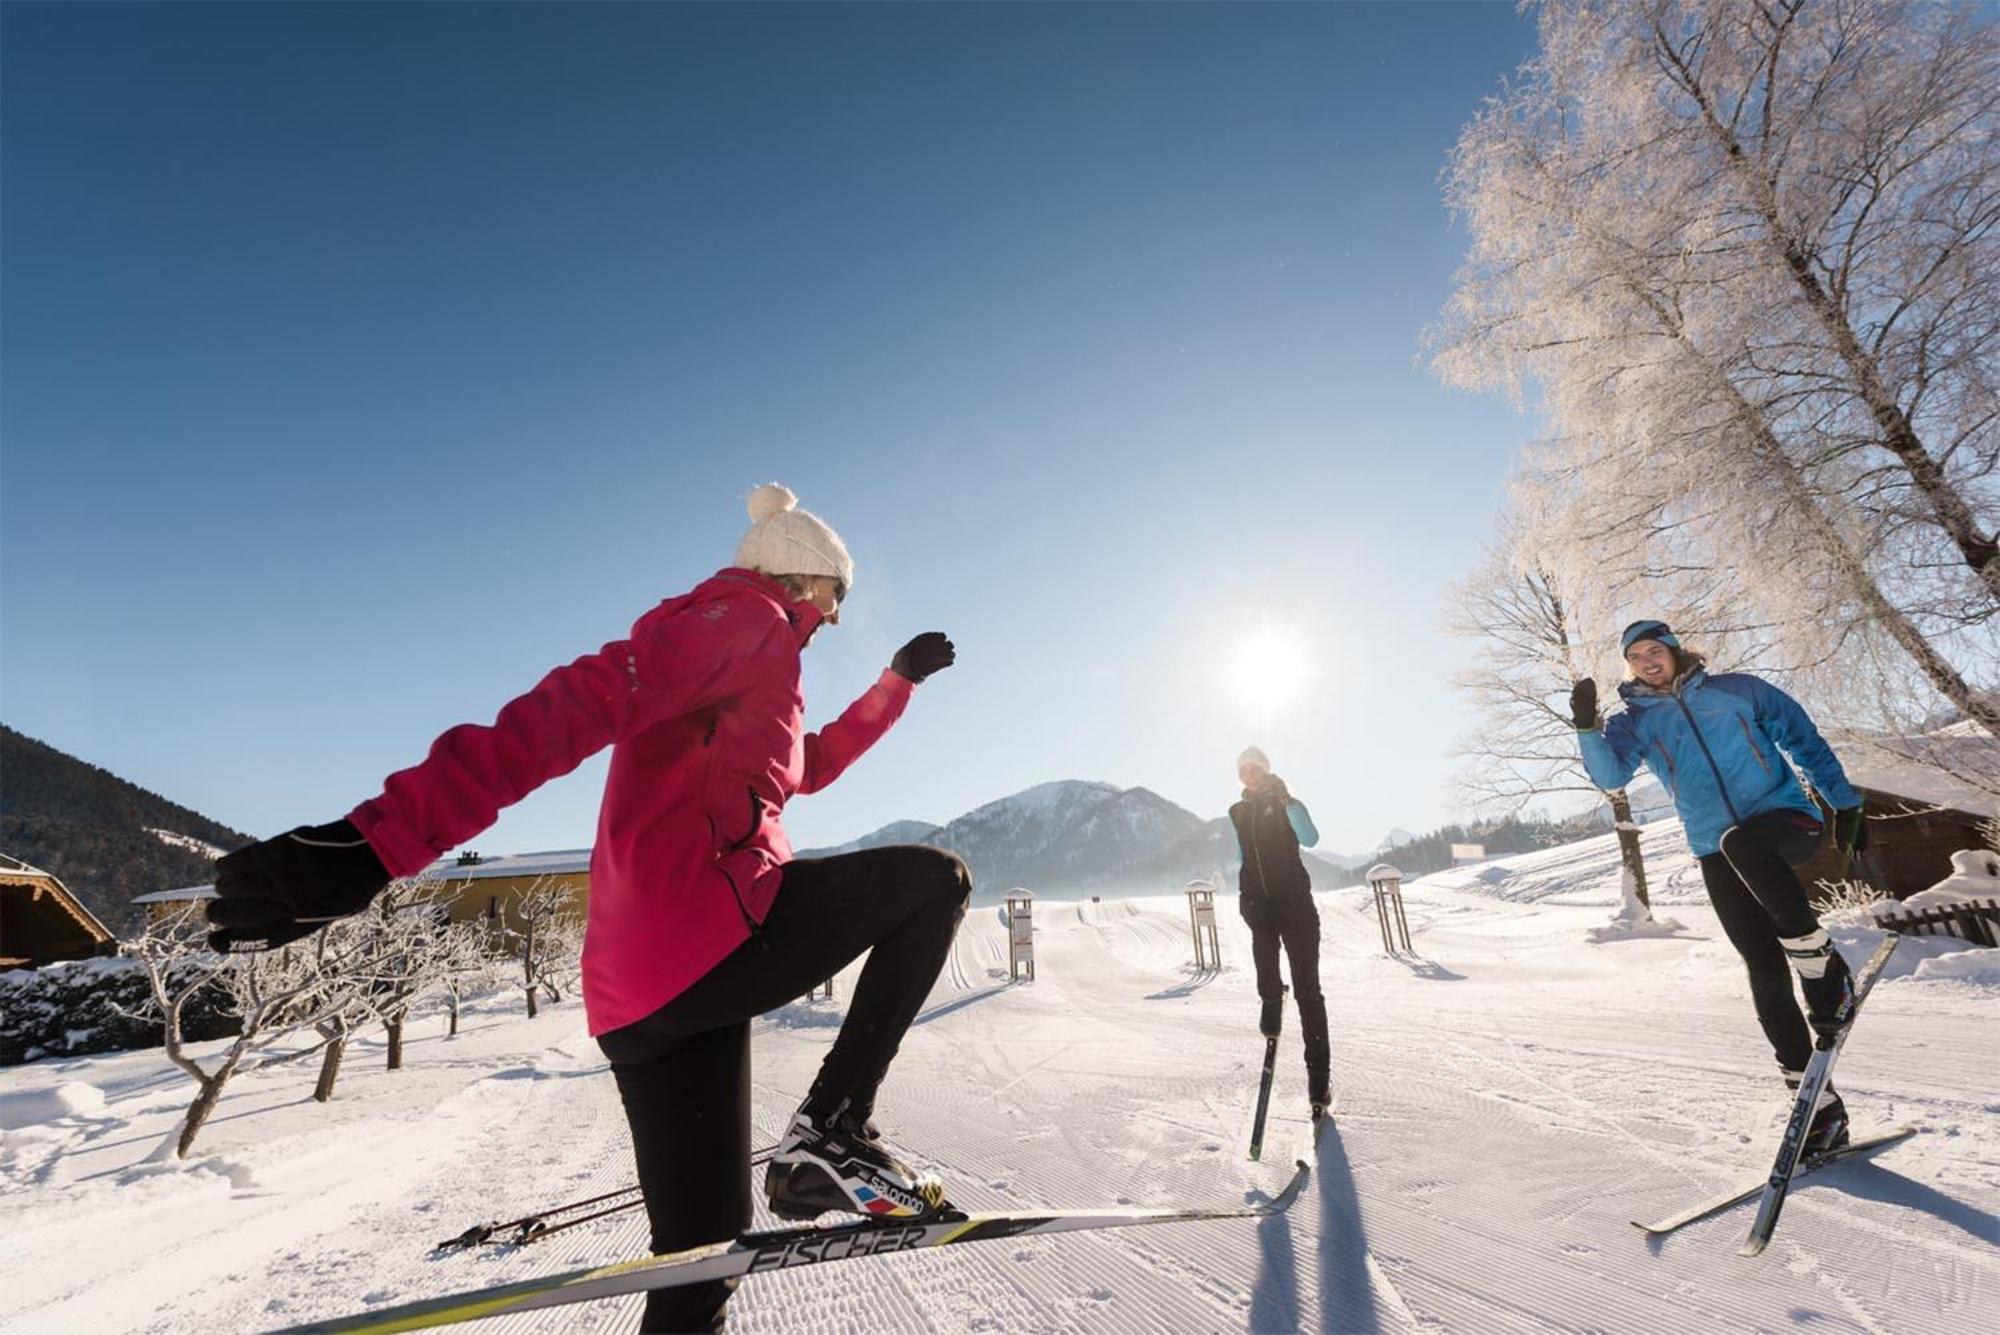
525, 1225
479, 1233
535, 1229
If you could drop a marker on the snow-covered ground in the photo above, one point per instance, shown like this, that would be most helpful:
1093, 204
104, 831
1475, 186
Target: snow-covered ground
1507, 1102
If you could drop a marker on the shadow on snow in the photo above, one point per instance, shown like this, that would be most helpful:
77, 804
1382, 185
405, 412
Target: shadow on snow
1346, 1291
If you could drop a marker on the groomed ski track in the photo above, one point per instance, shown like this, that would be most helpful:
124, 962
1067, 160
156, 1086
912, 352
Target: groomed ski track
1506, 1102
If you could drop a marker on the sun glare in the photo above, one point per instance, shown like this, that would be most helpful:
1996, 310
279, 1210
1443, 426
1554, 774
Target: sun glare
1268, 669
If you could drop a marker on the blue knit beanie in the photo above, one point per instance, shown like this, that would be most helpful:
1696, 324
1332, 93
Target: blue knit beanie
1648, 630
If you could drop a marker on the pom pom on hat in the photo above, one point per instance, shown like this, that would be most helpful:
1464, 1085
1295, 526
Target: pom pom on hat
785, 540
770, 499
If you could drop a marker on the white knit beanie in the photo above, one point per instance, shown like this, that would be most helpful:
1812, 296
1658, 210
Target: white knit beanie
785, 540
1254, 756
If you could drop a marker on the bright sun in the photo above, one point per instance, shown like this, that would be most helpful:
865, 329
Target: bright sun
1268, 669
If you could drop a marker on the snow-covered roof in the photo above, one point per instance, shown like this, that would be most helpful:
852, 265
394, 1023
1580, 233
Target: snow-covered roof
560, 862
1956, 767
1382, 871
181, 895
13, 866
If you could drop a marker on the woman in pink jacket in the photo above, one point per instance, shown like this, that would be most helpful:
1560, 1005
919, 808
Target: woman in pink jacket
700, 918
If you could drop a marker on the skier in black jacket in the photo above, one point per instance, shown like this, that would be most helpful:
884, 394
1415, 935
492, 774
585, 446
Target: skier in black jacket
1275, 897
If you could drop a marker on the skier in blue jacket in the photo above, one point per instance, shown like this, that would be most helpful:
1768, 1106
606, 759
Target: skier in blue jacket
1725, 746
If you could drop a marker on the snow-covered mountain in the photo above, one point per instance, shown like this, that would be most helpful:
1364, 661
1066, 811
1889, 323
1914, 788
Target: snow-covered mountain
107, 838
1396, 838
1076, 836
895, 832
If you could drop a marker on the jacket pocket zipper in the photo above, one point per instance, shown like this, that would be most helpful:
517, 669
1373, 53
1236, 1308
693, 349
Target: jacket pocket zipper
755, 928
756, 820
1670, 776
1751, 741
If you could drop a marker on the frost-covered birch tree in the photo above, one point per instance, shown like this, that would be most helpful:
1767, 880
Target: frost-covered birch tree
1743, 254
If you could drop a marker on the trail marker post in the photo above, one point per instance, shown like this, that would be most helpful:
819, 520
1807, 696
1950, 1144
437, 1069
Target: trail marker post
1387, 883
1020, 933
1201, 918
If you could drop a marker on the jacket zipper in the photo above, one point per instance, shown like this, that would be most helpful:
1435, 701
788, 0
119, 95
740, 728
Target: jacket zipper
1257, 851
1714, 768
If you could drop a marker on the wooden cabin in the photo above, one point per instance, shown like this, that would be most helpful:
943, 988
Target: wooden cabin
41, 922
1927, 798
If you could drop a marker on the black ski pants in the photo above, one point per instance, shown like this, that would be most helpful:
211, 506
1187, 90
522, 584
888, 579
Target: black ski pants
1290, 923
1758, 898
683, 1072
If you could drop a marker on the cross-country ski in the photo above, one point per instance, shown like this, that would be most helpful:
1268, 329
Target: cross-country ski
1795, 1144
1854, 1149
775, 1250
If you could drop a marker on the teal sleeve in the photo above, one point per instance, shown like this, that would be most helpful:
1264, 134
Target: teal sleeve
1302, 823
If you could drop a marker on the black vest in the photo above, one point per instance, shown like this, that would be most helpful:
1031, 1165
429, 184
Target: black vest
1272, 868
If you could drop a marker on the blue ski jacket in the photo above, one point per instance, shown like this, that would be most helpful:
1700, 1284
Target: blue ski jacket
1720, 745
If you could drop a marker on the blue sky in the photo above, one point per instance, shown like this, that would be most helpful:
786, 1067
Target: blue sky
360, 363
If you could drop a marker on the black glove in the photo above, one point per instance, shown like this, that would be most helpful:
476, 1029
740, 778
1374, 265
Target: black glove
273, 893
1583, 705
1271, 1016
929, 652
1850, 830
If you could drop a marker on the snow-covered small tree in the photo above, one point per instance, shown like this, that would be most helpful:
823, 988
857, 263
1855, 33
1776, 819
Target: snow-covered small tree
348, 955
467, 964
274, 993
545, 933
412, 953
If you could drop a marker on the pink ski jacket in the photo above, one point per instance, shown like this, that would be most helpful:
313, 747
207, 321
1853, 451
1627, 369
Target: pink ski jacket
702, 710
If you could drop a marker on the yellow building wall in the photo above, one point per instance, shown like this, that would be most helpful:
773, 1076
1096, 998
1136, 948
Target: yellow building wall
499, 897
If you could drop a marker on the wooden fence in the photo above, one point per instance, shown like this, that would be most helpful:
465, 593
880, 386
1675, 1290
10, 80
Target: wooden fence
1975, 920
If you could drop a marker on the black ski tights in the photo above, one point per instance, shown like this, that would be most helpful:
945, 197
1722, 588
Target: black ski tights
1291, 923
683, 1072
1758, 898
